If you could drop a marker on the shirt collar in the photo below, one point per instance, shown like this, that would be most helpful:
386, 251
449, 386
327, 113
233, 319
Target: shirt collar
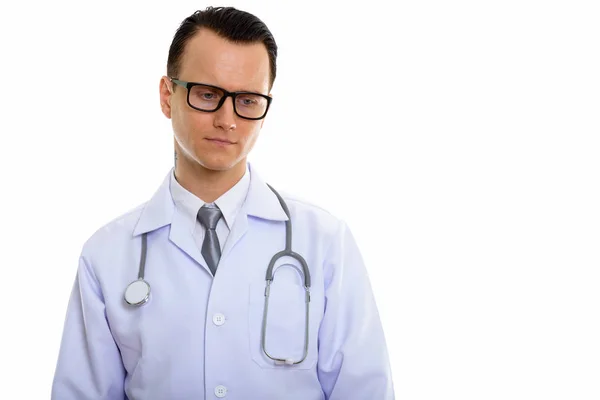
229, 203
260, 202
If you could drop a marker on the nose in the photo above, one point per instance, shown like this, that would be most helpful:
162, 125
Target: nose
225, 116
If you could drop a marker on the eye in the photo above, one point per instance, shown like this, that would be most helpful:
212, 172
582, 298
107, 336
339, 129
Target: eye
204, 93
248, 100
208, 94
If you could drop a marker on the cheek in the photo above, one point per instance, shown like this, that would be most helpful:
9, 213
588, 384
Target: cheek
188, 124
251, 137
179, 121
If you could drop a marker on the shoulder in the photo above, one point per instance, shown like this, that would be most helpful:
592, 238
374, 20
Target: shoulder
116, 231
312, 215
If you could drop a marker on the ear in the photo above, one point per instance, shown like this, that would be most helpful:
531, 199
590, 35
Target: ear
165, 89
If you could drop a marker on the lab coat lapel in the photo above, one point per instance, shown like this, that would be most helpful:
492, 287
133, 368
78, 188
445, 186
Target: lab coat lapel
240, 226
182, 235
260, 202
160, 211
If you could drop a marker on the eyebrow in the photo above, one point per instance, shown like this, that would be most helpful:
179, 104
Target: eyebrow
237, 90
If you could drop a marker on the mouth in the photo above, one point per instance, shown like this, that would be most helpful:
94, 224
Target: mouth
220, 141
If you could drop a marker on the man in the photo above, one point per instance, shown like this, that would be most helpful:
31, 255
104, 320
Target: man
194, 325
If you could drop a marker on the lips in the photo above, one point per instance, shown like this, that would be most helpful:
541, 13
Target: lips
219, 140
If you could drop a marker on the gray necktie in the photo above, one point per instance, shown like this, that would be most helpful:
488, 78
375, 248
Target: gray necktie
211, 250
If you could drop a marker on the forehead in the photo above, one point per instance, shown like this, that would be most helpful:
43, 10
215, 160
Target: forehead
209, 58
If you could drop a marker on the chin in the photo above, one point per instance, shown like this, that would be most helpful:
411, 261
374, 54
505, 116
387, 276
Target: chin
218, 164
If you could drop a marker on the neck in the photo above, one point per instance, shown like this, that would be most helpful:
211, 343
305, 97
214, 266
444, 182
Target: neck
206, 184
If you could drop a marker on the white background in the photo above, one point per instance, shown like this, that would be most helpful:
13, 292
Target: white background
470, 127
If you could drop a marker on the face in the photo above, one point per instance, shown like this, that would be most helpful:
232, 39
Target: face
220, 140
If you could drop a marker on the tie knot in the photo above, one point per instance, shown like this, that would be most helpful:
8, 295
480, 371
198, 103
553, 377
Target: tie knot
209, 217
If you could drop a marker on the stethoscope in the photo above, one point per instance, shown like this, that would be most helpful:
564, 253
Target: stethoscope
137, 292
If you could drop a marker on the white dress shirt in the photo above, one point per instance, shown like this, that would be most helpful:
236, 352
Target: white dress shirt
229, 203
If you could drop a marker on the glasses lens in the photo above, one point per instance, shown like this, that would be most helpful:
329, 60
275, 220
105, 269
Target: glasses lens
251, 105
247, 105
205, 97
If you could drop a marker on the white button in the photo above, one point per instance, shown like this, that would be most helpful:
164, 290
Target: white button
220, 391
218, 319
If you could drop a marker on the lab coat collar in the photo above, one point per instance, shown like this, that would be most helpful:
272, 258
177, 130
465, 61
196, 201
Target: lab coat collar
158, 211
260, 202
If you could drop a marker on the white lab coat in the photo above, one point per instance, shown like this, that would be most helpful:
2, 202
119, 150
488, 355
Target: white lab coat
199, 337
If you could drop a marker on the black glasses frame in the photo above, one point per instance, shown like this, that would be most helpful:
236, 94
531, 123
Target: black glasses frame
189, 85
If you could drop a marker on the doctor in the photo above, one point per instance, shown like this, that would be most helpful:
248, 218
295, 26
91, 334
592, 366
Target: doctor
196, 322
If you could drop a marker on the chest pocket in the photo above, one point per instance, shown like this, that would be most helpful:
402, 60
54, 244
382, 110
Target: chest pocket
286, 322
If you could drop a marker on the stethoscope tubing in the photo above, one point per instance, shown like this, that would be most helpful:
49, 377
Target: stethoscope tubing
134, 297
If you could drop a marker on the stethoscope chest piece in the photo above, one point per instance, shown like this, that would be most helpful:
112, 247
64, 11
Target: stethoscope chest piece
137, 293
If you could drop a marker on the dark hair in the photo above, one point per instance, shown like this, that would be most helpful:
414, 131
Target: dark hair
229, 23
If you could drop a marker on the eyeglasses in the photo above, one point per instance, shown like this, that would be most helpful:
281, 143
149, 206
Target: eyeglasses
208, 98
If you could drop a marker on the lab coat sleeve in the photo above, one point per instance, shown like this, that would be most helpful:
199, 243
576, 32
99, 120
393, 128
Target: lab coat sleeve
89, 363
353, 362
